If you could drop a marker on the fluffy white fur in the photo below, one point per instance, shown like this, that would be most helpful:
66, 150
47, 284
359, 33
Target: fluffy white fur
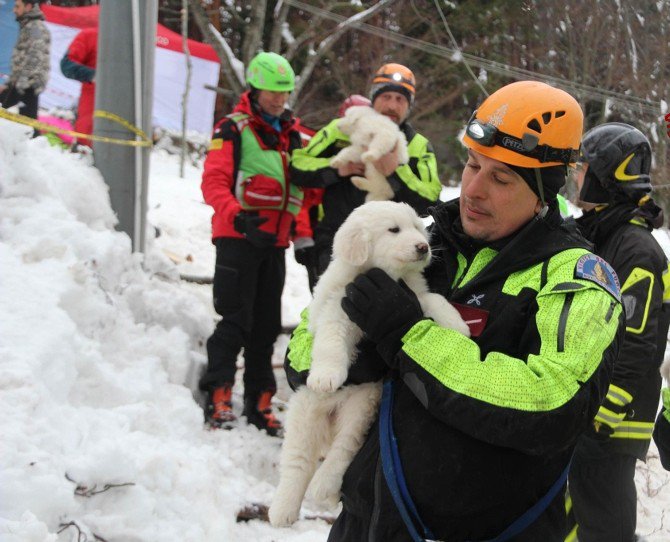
665, 370
372, 136
322, 419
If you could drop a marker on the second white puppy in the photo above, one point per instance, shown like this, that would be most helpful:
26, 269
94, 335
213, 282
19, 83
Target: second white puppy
372, 136
323, 419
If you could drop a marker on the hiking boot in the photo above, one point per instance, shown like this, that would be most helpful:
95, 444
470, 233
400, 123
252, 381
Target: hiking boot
219, 414
258, 411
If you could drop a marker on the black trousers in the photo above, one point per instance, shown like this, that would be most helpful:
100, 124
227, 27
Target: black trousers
11, 96
247, 288
604, 497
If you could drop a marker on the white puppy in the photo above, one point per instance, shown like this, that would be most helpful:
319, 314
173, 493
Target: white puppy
321, 418
372, 136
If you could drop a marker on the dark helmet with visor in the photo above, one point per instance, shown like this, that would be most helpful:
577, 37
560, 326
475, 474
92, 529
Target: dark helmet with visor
619, 160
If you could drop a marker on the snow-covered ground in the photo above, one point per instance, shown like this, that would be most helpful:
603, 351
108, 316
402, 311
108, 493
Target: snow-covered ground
100, 430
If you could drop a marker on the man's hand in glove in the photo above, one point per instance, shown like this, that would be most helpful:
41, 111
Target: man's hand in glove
383, 308
304, 251
247, 223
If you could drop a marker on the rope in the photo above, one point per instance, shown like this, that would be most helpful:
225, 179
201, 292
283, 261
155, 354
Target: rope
144, 140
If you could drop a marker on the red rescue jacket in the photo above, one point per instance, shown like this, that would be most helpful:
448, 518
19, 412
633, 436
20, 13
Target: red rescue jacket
219, 179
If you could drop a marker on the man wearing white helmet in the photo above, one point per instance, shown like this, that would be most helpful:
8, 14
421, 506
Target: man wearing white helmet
416, 183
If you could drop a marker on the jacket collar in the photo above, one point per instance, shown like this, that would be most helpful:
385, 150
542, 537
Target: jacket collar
34, 14
247, 107
537, 241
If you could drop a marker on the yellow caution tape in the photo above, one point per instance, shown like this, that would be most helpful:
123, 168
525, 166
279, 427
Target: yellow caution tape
43, 126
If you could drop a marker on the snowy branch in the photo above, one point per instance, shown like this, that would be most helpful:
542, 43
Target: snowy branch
327, 44
253, 36
232, 68
280, 28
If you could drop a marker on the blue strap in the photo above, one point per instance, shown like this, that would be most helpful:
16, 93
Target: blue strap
392, 468
534, 512
395, 479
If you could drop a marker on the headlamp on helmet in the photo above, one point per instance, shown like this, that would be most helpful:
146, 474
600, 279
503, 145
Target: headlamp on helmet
393, 78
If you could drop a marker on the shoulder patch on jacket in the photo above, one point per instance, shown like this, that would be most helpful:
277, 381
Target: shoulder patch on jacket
225, 131
594, 268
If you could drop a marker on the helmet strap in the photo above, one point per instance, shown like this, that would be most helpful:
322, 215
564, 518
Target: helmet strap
540, 190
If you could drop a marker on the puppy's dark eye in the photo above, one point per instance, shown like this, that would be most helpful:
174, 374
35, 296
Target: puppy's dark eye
396, 229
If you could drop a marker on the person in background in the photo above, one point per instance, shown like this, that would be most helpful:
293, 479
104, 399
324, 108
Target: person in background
79, 63
303, 244
475, 435
416, 183
246, 181
30, 60
614, 187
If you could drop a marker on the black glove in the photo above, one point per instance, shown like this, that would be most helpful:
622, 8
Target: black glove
368, 365
306, 256
383, 308
247, 223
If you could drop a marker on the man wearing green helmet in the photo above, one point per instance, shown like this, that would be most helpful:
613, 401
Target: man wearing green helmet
246, 181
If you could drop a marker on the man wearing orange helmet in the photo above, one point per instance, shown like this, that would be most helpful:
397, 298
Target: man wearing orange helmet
416, 183
475, 435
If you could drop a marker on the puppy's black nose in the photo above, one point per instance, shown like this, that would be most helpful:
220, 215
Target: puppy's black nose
422, 248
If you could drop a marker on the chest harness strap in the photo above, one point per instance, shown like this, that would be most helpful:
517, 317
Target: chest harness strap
395, 480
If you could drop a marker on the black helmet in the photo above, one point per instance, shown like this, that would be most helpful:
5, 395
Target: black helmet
619, 160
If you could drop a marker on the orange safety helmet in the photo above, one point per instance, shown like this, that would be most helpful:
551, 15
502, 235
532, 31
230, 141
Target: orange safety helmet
396, 78
527, 124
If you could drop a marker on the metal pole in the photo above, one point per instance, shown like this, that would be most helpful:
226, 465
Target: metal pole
124, 86
187, 85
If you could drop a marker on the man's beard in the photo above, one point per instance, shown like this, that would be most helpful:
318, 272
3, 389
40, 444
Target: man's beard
393, 116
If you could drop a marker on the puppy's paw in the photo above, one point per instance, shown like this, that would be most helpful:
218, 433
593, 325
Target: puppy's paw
439, 309
283, 514
326, 380
336, 161
360, 182
370, 156
459, 325
325, 488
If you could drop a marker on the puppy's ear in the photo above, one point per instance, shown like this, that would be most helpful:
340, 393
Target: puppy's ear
352, 243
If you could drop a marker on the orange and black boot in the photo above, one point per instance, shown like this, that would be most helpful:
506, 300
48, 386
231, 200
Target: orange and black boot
258, 410
219, 413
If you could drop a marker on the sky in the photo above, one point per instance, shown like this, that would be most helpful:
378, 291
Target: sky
100, 351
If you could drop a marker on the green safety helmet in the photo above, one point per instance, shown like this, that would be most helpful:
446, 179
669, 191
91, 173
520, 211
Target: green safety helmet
270, 71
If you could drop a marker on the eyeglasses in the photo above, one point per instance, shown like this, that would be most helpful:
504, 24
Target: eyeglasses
488, 135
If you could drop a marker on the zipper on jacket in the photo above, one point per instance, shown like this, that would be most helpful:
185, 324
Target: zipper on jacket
563, 322
287, 187
374, 517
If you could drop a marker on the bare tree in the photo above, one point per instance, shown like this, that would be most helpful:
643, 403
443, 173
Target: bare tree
313, 45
